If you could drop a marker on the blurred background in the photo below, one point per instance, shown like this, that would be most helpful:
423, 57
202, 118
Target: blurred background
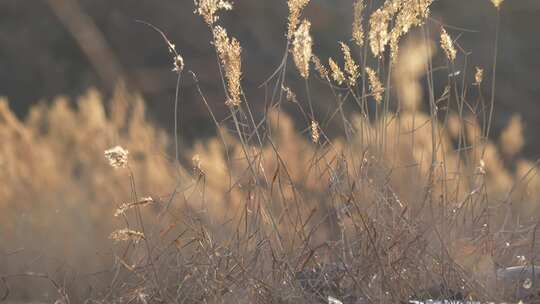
64, 47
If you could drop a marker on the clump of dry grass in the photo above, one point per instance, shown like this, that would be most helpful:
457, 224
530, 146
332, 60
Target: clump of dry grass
263, 212
65, 190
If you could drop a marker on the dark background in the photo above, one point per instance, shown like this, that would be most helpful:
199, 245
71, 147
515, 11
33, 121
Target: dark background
41, 54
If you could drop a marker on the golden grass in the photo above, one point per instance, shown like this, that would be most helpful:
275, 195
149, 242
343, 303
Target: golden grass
267, 211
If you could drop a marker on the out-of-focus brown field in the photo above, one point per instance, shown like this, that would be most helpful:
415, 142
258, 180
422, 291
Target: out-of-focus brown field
289, 204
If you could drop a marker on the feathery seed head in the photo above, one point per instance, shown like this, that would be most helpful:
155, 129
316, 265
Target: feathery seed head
126, 206
208, 9
126, 235
178, 64
357, 28
378, 32
302, 48
411, 13
295, 10
375, 85
378, 23
448, 45
315, 134
117, 157
337, 74
229, 52
350, 66
178, 60
319, 67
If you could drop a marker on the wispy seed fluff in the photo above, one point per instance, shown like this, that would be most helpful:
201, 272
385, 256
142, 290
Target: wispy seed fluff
229, 52
448, 45
178, 64
357, 28
117, 157
337, 74
350, 66
319, 67
126, 235
375, 85
178, 60
126, 206
208, 9
315, 134
478, 76
302, 48
295, 10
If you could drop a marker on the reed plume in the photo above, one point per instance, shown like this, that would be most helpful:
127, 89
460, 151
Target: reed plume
378, 32
357, 27
448, 45
412, 13
375, 85
295, 10
315, 134
337, 74
126, 234
208, 9
350, 66
126, 206
301, 49
117, 157
319, 67
229, 52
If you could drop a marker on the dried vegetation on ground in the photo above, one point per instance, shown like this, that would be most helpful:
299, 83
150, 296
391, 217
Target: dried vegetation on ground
269, 210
